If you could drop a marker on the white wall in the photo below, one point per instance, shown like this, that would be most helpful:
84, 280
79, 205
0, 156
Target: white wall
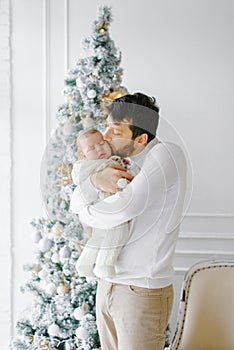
5, 176
179, 51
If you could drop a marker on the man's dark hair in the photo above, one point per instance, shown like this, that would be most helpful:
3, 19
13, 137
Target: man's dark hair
140, 110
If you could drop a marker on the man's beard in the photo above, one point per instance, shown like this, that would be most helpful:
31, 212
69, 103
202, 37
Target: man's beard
126, 150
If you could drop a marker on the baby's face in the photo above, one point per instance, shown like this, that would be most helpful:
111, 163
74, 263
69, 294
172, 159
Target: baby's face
95, 147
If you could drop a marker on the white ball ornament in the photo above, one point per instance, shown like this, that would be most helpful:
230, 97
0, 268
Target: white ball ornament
87, 122
53, 330
51, 288
55, 258
82, 333
36, 236
65, 252
78, 313
91, 93
45, 244
57, 228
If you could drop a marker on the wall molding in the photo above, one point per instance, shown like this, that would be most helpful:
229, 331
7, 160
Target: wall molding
46, 41
207, 235
208, 215
66, 36
203, 253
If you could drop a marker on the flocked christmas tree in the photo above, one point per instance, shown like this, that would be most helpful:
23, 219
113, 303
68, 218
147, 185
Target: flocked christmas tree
63, 314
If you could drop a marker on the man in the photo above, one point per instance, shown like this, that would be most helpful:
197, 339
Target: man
134, 306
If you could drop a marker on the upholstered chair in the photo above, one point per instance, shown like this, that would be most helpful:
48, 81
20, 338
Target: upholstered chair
206, 319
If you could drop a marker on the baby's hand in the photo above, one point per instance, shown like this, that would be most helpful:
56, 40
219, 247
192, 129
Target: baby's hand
88, 229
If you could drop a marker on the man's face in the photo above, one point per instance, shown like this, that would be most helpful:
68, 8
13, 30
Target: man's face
119, 135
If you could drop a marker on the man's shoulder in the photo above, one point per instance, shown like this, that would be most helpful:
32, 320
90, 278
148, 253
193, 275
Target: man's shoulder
168, 151
166, 146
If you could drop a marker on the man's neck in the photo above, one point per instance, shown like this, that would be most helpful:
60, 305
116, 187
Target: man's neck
138, 149
144, 149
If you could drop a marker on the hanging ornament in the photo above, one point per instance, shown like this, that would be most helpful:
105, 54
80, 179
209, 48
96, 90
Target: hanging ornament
30, 338
62, 289
55, 258
45, 343
45, 244
87, 121
78, 313
42, 274
69, 345
68, 128
51, 288
91, 93
62, 204
37, 267
65, 172
85, 306
58, 229
53, 330
65, 252
79, 83
82, 333
101, 27
36, 236
68, 97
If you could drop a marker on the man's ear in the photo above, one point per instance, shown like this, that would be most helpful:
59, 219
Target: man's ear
142, 139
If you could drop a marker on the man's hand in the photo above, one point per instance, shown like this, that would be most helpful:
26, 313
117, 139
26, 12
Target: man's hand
107, 178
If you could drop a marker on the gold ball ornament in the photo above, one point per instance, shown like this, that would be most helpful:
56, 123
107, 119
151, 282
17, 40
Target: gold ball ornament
101, 27
31, 338
112, 95
37, 268
65, 170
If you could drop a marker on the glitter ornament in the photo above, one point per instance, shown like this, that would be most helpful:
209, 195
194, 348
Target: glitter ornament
82, 333
51, 288
53, 330
91, 93
45, 244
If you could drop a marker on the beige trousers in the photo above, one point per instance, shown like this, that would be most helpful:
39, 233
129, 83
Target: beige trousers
132, 318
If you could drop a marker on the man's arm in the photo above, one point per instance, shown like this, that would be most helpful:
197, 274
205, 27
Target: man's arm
158, 173
85, 192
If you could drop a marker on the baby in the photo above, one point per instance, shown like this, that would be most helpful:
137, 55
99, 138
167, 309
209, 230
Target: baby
103, 248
